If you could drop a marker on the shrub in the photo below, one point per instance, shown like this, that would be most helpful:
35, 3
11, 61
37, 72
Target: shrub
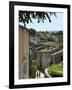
33, 68
56, 70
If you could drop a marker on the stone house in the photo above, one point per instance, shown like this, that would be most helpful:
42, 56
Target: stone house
47, 57
23, 52
57, 56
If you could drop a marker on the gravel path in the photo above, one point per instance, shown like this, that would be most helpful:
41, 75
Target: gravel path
46, 72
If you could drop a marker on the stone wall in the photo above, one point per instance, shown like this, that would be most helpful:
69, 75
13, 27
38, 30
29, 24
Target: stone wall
46, 58
23, 52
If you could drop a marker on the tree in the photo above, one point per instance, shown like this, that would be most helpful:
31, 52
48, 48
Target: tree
51, 39
32, 32
34, 66
26, 17
60, 38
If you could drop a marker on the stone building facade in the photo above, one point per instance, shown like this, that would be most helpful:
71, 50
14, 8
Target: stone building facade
47, 57
23, 52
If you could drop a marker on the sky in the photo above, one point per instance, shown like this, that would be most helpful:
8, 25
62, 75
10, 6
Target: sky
55, 25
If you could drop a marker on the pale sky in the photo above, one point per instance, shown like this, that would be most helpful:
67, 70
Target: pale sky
55, 25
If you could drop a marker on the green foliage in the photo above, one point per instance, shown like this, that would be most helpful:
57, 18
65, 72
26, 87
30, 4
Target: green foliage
60, 32
26, 16
51, 39
42, 38
60, 41
61, 44
55, 70
33, 68
59, 35
32, 32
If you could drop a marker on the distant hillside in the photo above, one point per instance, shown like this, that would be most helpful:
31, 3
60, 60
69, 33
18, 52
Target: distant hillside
45, 36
